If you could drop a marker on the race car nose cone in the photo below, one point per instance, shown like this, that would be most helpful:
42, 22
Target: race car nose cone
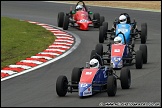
84, 26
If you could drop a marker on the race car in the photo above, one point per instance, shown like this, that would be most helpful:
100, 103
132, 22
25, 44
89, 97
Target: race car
89, 81
120, 55
80, 18
129, 29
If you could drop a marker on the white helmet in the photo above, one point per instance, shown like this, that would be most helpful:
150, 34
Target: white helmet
79, 7
123, 19
94, 63
117, 40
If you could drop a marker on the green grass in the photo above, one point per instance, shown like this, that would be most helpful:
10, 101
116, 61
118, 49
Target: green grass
20, 39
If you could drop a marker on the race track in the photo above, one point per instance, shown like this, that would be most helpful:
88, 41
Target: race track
37, 88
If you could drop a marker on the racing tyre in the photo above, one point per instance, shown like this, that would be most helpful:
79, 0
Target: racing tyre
143, 33
96, 16
105, 24
139, 60
125, 78
60, 19
102, 19
143, 48
111, 86
99, 49
93, 53
75, 76
101, 34
66, 22
61, 85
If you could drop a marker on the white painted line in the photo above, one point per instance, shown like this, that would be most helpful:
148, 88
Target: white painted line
56, 50
45, 57
57, 46
21, 66
49, 53
62, 37
8, 72
59, 43
59, 40
31, 61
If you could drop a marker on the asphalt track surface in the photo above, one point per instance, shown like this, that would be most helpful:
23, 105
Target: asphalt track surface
37, 88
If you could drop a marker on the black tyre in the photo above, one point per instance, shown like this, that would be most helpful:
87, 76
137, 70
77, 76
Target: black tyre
75, 76
105, 24
143, 33
125, 78
60, 19
96, 16
61, 85
139, 60
93, 53
66, 23
111, 86
101, 34
143, 48
102, 19
99, 49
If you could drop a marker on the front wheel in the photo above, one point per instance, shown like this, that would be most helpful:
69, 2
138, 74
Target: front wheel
61, 85
125, 78
111, 86
66, 23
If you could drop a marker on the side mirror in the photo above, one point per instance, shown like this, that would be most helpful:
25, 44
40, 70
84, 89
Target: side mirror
90, 12
73, 12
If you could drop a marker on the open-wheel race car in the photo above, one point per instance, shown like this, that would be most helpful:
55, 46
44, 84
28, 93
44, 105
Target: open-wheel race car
88, 81
80, 18
129, 29
122, 54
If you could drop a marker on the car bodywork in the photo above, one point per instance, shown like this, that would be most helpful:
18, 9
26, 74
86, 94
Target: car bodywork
88, 81
130, 30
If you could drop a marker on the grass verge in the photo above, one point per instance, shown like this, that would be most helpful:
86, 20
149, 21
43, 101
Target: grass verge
20, 39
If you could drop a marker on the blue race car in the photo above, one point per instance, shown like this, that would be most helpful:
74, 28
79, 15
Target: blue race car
129, 29
120, 55
88, 81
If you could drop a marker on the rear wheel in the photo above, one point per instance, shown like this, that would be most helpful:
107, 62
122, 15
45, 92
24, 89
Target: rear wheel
60, 19
111, 86
93, 53
75, 76
99, 49
96, 16
139, 60
102, 19
61, 85
105, 24
125, 78
66, 23
143, 33
143, 48
101, 34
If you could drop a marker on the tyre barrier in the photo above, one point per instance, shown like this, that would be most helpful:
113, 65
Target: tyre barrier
63, 42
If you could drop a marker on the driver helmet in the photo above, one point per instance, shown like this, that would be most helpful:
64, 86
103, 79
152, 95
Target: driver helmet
122, 19
79, 7
117, 40
94, 63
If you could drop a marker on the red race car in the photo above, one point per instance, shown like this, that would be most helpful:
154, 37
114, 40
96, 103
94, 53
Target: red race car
80, 18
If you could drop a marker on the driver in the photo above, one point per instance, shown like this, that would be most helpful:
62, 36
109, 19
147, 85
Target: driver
117, 40
122, 19
79, 7
94, 63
